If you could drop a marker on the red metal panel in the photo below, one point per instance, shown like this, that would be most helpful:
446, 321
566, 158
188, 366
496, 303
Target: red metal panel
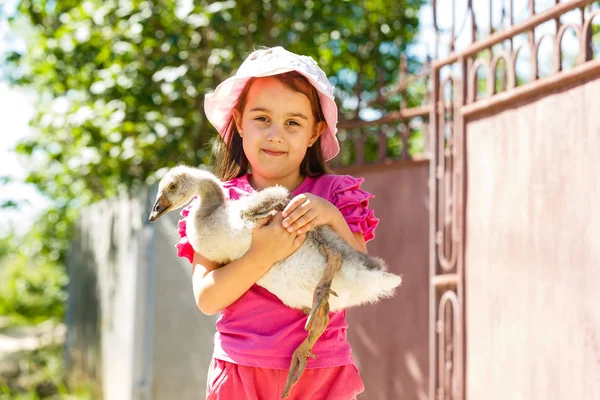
390, 339
533, 249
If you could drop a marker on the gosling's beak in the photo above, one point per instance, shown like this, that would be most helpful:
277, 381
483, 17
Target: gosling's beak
161, 206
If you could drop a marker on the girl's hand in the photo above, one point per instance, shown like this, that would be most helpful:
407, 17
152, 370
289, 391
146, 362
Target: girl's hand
272, 243
307, 211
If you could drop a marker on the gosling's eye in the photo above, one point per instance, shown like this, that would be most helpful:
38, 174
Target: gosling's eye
172, 186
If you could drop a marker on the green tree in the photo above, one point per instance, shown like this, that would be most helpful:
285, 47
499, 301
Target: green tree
121, 83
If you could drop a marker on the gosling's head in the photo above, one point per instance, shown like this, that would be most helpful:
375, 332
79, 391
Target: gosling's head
179, 186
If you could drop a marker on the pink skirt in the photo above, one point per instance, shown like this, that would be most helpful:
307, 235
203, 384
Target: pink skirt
229, 381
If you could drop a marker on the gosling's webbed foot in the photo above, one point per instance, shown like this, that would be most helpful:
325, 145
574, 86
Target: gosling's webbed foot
297, 366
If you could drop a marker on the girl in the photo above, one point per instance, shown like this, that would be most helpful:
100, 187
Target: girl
277, 120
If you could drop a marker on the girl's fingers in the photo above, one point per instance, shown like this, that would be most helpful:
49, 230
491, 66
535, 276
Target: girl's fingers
303, 222
272, 224
298, 213
293, 204
298, 240
262, 222
277, 218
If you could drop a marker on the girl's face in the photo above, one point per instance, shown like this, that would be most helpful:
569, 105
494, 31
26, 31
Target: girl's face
277, 126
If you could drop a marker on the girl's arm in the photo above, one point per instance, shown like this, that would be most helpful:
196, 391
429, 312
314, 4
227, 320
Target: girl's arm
217, 287
340, 226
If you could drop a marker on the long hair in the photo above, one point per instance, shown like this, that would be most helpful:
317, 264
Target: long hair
230, 160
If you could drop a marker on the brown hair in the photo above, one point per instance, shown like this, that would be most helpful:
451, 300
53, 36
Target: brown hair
230, 160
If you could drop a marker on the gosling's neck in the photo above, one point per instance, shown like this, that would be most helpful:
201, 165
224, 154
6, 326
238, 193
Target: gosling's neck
211, 196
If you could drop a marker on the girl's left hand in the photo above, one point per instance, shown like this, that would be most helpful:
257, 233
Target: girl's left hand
307, 211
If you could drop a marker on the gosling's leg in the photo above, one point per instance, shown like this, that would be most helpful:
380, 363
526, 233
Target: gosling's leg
323, 289
316, 322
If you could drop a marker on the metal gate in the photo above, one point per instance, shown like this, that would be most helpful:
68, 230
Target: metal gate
468, 84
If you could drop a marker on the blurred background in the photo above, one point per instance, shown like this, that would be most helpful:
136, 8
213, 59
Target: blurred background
98, 98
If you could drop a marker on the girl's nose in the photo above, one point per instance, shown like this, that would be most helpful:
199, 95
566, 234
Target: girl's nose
275, 135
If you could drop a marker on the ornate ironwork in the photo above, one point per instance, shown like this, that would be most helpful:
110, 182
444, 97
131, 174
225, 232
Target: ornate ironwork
448, 331
395, 125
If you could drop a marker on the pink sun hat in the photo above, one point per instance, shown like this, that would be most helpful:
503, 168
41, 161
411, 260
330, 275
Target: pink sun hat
219, 104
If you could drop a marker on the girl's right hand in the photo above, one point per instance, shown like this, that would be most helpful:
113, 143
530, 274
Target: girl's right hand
272, 242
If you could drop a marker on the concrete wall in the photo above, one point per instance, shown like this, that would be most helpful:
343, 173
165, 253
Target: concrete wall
133, 326
106, 307
183, 336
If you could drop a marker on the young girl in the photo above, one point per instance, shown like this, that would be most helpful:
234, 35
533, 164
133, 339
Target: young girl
277, 120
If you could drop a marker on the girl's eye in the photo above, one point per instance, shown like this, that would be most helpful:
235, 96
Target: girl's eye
261, 119
293, 123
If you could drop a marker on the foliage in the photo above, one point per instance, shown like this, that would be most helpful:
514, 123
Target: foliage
121, 83
32, 288
42, 375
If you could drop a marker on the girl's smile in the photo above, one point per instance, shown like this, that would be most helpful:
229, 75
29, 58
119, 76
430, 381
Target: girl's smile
274, 153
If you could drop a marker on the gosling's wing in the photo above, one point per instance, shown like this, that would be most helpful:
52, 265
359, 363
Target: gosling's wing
265, 203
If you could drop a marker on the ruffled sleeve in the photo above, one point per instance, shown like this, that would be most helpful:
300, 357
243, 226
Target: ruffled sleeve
353, 203
184, 248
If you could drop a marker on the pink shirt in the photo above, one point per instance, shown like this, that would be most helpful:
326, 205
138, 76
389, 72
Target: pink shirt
258, 329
